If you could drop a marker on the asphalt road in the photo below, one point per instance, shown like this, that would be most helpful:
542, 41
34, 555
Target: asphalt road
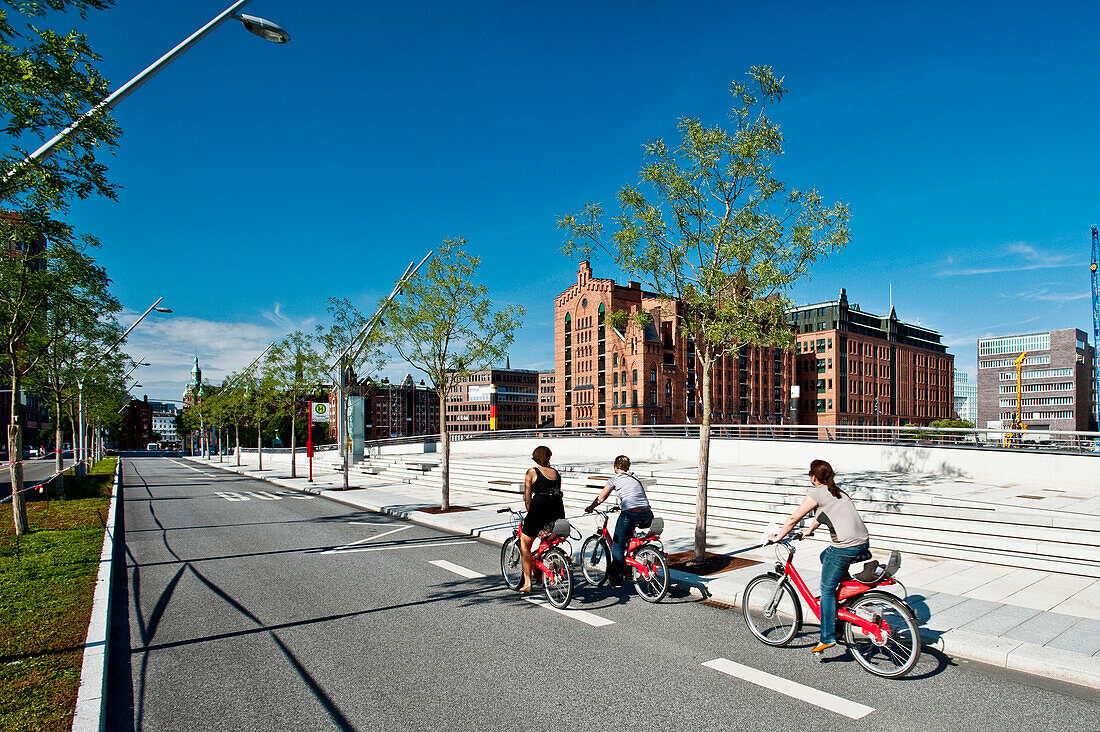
34, 470
245, 607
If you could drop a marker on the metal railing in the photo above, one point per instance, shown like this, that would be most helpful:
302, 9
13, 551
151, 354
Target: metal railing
964, 438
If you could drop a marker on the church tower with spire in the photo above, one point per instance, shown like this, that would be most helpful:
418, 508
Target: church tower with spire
190, 395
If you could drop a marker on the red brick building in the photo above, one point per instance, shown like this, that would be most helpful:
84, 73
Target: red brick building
855, 368
646, 375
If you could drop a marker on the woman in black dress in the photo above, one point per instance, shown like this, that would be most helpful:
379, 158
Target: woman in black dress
542, 496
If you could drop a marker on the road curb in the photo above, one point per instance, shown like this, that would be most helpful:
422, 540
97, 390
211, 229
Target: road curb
1029, 658
91, 709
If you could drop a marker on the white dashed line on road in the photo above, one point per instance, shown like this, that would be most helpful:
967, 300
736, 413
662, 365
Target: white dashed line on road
423, 545
793, 689
231, 496
265, 496
348, 547
457, 569
185, 465
585, 617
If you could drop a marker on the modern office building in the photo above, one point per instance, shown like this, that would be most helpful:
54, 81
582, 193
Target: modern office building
966, 397
646, 374
546, 399
1056, 390
514, 392
404, 409
164, 421
855, 368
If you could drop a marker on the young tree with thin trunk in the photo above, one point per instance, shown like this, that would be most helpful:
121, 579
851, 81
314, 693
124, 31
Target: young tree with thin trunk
48, 81
296, 368
712, 231
445, 326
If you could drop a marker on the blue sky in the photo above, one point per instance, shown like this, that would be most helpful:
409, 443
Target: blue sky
258, 180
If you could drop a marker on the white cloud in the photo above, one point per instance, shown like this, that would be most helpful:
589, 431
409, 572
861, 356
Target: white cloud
1020, 256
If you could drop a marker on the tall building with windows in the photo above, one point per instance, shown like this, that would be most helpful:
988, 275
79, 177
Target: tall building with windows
1056, 385
514, 393
546, 399
645, 374
164, 421
403, 409
966, 397
855, 368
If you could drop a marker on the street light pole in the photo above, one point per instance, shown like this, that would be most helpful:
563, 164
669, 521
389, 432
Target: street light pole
79, 452
347, 359
258, 26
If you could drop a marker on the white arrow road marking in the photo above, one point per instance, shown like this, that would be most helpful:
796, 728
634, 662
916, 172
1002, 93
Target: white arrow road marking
793, 689
457, 569
347, 547
585, 617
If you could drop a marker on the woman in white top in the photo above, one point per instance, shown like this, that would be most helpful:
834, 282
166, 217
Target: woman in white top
850, 541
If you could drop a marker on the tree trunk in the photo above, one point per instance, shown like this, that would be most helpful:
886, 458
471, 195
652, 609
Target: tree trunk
293, 443
58, 459
15, 456
704, 461
445, 446
237, 439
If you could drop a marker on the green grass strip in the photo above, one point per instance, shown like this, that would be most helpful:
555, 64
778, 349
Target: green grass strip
47, 580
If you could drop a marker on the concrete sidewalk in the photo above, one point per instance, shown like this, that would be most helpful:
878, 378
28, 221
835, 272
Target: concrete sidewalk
1026, 620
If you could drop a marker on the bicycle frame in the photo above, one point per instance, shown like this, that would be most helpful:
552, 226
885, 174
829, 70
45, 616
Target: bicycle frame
631, 548
544, 544
848, 589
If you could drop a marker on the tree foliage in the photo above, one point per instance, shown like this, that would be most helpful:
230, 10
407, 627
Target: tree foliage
711, 230
445, 326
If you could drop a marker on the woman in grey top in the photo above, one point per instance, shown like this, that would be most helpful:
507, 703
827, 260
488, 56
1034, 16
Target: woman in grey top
849, 540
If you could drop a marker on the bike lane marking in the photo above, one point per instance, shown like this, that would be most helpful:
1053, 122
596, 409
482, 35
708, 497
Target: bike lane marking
457, 569
582, 615
793, 689
348, 547
423, 545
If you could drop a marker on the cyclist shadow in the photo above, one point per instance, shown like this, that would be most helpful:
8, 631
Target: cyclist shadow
589, 597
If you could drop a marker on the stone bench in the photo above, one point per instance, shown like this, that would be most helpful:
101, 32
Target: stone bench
507, 486
421, 466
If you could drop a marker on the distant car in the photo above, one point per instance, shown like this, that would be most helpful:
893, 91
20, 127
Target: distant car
152, 446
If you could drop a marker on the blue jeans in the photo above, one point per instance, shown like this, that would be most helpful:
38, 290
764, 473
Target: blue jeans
624, 530
834, 565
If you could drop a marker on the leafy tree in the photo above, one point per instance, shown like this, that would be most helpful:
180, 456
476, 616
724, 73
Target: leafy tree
445, 326
712, 231
79, 327
296, 368
48, 80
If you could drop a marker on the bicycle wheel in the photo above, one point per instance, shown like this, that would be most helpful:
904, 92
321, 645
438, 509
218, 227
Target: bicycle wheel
899, 649
654, 587
511, 565
773, 619
558, 584
595, 560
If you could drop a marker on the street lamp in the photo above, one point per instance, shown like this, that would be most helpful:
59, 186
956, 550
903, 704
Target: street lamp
263, 28
79, 453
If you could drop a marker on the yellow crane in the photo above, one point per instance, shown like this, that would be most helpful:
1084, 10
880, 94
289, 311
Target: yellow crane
1018, 427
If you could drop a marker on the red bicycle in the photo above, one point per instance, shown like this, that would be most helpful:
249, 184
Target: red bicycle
878, 627
645, 558
551, 562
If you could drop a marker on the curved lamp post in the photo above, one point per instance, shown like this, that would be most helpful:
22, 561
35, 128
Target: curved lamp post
263, 28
